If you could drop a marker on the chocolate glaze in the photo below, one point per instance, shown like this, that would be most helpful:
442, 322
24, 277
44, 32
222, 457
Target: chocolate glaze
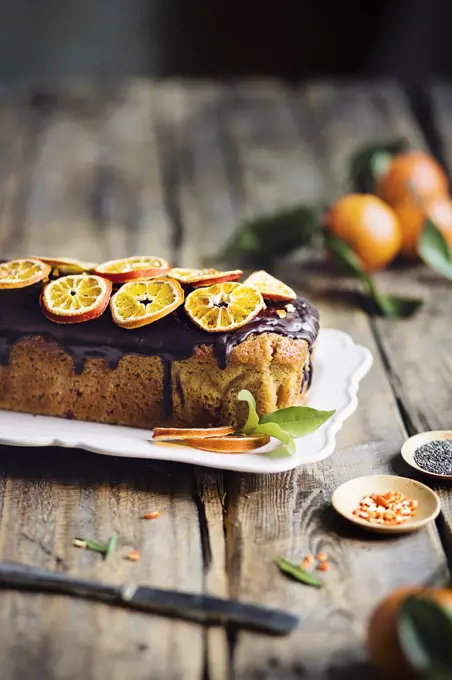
172, 338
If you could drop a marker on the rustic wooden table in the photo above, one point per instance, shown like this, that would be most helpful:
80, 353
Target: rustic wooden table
114, 169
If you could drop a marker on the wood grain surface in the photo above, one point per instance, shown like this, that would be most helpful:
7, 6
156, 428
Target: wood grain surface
106, 170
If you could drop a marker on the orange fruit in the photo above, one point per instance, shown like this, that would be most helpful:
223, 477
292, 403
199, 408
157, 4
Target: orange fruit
75, 298
223, 306
382, 639
412, 218
130, 268
66, 265
22, 273
232, 444
204, 277
139, 303
163, 433
414, 174
369, 226
269, 287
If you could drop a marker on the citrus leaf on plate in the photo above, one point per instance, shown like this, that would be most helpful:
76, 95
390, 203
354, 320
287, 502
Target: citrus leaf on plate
434, 250
252, 420
424, 629
299, 421
274, 430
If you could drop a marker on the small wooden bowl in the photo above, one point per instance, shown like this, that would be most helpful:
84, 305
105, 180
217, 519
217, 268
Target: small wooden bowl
348, 496
413, 443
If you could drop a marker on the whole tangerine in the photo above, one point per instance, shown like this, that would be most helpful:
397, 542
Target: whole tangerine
412, 217
382, 640
369, 226
414, 174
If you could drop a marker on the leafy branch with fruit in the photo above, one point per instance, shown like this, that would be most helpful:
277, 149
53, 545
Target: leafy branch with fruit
399, 208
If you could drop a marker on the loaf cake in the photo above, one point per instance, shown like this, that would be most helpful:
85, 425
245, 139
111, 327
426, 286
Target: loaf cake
169, 372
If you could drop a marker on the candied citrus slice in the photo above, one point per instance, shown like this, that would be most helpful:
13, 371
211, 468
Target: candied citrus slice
204, 277
139, 303
22, 273
130, 268
271, 288
75, 298
163, 433
67, 265
223, 306
232, 444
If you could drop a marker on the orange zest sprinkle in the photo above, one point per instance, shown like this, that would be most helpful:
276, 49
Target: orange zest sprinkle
133, 556
322, 557
323, 566
151, 515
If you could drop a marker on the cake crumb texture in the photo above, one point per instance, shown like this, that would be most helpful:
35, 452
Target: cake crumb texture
40, 379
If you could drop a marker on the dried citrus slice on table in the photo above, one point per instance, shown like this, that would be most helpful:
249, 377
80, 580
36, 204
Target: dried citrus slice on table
269, 287
231, 444
67, 265
162, 433
223, 306
204, 277
75, 298
22, 273
139, 303
130, 268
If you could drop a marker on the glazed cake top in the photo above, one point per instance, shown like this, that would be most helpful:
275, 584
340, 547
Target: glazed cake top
173, 337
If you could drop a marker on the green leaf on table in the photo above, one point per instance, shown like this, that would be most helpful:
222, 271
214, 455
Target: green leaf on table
252, 420
298, 421
297, 573
111, 545
264, 238
434, 250
424, 629
276, 431
369, 163
348, 263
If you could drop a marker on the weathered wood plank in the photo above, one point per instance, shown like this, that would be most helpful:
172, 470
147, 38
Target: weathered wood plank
47, 497
289, 514
96, 187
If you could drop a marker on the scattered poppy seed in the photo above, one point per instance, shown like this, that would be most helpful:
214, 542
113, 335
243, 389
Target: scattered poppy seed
435, 456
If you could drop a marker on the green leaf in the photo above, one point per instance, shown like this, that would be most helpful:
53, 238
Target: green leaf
111, 545
297, 573
274, 430
253, 419
368, 163
265, 238
299, 421
425, 634
434, 250
349, 264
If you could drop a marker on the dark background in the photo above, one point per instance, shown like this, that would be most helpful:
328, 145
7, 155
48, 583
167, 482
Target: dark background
298, 39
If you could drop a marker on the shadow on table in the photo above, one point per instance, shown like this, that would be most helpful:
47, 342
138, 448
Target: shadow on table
76, 467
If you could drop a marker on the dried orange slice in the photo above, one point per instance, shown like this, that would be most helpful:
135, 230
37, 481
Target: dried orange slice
162, 433
75, 298
130, 268
204, 277
235, 443
271, 288
139, 303
22, 273
223, 306
67, 265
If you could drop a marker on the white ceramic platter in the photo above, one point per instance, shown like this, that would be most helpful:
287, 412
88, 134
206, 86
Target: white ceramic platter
340, 364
